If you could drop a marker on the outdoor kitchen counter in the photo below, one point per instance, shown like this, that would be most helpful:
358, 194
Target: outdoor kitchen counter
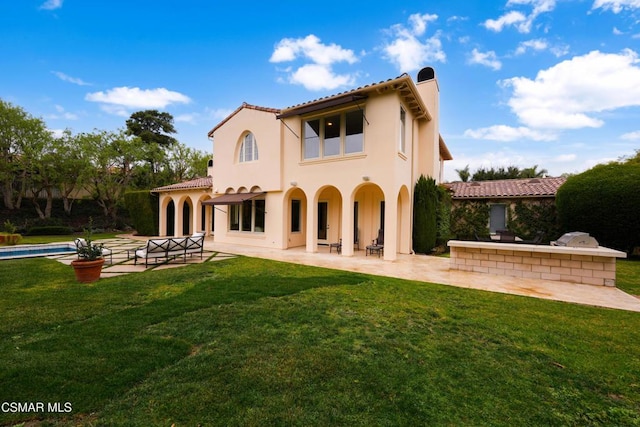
591, 266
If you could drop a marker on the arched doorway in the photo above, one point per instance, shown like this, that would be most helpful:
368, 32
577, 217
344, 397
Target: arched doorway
171, 218
186, 219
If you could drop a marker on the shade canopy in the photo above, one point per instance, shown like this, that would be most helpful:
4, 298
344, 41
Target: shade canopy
232, 199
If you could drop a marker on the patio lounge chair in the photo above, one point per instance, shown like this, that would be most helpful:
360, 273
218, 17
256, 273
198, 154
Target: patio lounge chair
80, 242
377, 245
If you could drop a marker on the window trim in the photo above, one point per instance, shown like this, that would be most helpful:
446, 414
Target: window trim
254, 148
342, 152
238, 210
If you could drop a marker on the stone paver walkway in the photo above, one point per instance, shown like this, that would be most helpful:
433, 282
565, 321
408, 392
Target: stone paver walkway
123, 263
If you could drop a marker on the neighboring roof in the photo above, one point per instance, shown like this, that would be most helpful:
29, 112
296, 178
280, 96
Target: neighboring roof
240, 108
507, 188
206, 183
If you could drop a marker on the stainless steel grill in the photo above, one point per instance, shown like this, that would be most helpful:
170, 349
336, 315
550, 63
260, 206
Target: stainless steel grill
576, 239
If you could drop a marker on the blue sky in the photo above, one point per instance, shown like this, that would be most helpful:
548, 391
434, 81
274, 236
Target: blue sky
553, 83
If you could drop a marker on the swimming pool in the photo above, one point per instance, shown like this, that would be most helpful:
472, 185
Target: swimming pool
30, 251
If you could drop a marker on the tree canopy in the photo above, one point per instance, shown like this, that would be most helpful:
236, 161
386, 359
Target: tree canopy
152, 126
493, 174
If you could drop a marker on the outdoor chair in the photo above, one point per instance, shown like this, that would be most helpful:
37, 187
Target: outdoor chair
482, 238
507, 236
377, 245
337, 246
537, 239
80, 243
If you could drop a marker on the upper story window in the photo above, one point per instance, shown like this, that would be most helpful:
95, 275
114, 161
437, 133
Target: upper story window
403, 130
334, 135
248, 149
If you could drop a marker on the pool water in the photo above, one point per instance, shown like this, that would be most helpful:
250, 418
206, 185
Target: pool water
29, 251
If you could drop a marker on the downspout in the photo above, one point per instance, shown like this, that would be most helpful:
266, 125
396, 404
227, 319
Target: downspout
413, 138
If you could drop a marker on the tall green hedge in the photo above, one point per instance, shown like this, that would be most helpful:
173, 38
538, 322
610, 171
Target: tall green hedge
425, 208
143, 208
604, 202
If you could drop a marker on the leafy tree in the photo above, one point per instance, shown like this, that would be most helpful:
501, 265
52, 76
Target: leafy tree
70, 162
464, 174
603, 201
510, 172
19, 133
112, 156
425, 215
152, 126
154, 129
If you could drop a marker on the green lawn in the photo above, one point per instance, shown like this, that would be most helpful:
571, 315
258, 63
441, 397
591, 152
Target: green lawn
251, 342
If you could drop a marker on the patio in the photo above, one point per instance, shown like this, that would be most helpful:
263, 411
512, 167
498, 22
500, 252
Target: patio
411, 267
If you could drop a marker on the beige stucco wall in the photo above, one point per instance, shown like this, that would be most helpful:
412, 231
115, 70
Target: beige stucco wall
380, 173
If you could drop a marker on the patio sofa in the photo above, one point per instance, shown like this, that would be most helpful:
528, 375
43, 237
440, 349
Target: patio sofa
170, 248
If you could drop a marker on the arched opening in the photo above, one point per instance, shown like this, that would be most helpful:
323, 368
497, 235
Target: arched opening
369, 212
295, 217
328, 215
186, 219
171, 219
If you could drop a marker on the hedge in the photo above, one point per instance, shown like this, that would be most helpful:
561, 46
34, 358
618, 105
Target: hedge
144, 211
604, 202
425, 208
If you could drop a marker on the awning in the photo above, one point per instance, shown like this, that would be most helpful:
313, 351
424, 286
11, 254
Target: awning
232, 199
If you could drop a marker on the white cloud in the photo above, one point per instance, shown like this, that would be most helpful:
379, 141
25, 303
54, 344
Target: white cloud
61, 114
631, 136
488, 59
66, 78
318, 74
51, 4
536, 44
508, 133
319, 77
616, 6
519, 20
567, 95
406, 51
311, 48
120, 99
508, 19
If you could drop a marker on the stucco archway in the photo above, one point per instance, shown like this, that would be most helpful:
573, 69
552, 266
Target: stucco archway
295, 218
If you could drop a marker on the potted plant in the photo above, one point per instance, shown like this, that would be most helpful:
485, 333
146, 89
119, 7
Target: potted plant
90, 260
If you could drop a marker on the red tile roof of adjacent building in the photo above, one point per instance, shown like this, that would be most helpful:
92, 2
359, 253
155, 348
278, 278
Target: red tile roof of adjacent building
188, 185
507, 188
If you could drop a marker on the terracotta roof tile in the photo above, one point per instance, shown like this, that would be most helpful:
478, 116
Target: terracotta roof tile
187, 185
529, 187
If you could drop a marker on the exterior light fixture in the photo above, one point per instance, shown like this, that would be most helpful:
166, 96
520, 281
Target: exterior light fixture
365, 178
293, 183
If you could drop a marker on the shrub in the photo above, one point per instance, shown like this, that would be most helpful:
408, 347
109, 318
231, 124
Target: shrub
425, 215
604, 202
143, 209
527, 218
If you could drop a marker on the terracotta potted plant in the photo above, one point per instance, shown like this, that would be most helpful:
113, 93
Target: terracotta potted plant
90, 260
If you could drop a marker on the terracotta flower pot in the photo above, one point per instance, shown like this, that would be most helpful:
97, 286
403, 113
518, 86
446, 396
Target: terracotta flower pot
87, 271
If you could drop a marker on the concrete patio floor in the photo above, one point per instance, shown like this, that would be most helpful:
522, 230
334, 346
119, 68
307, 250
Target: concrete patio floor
436, 270
412, 267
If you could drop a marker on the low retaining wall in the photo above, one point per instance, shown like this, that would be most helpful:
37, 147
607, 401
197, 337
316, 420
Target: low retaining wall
591, 266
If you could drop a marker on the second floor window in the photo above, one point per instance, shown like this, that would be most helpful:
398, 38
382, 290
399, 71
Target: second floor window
334, 135
248, 149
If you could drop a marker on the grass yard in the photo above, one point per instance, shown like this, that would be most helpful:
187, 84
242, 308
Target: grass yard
251, 342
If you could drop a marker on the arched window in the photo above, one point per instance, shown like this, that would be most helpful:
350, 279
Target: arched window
248, 149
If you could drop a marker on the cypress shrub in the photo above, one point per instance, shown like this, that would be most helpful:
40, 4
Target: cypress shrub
425, 206
143, 208
604, 202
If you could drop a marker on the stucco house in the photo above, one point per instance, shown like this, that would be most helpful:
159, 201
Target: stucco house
337, 168
502, 196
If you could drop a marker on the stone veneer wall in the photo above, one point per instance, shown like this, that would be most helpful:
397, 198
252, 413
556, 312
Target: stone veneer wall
587, 266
